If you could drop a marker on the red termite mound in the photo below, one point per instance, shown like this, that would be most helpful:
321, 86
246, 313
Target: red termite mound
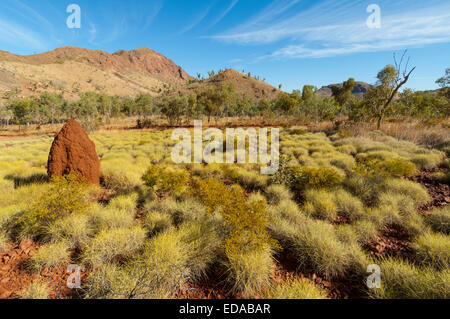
74, 153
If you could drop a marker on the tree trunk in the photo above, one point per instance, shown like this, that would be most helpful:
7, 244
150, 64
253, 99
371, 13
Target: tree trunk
380, 119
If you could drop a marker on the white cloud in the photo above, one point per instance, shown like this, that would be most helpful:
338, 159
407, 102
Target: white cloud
14, 33
330, 29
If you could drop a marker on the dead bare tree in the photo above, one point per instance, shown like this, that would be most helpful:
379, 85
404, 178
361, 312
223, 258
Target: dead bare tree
393, 85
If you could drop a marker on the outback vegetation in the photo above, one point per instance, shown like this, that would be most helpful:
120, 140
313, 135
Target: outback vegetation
354, 188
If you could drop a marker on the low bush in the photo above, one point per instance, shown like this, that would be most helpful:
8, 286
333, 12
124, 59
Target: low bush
296, 289
112, 243
365, 230
427, 161
315, 177
51, 255
320, 204
105, 218
125, 202
348, 206
287, 210
179, 211
415, 192
166, 179
439, 220
402, 280
156, 222
65, 196
277, 193
120, 180
363, 188
75, 229
249, 271
433, 249
38, 289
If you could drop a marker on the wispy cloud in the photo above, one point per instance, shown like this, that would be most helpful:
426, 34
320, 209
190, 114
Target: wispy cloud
330, 29
196, 21
14, 33
92, 32
224, 13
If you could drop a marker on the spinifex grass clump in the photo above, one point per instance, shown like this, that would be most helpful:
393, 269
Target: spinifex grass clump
166, 179
65, 196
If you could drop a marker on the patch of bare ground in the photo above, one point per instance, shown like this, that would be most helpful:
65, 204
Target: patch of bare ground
16, 275
392, 242
345, 287
439, 191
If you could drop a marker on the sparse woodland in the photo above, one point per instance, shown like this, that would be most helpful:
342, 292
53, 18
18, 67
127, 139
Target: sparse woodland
361, 181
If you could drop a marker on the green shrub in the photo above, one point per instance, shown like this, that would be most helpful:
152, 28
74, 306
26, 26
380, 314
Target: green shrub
288, 210
119, 179
439, 220
112, 243
365, 231
36, 290
427, 161
315, 177
51, 255
364, 188
179, 211
347, 205
75, 229
246, 178
315, 246
416, 192
402, 280
320, 204
441, 177
249, 271
166, 179
433, 249
156, 222
383, 168
296, 289
277, 193
125, 202
104, 218
65, 196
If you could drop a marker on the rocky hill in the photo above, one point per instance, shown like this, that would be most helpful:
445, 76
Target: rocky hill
244, 85
71, 70
358, 90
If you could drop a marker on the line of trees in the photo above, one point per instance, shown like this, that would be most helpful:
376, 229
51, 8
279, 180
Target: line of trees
384, 100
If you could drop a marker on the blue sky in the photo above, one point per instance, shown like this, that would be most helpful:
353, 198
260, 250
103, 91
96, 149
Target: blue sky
288, 42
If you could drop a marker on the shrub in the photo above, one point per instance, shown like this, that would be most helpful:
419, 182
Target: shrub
157, 222
125, 202
36, 290
246, 178
376, 168
179, 211
398, 167
347, 205
363, 188
104, 218
400, 280
416, 192
277, 193
75, 229
320, 204
249, 271
296, 289
52, 255
166, 179
288, 210
439, 220
365, 231
65, 196
441, 177
246, 220
315, 246
315, 177
120, 180
427, 161
111, 243
433, 249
